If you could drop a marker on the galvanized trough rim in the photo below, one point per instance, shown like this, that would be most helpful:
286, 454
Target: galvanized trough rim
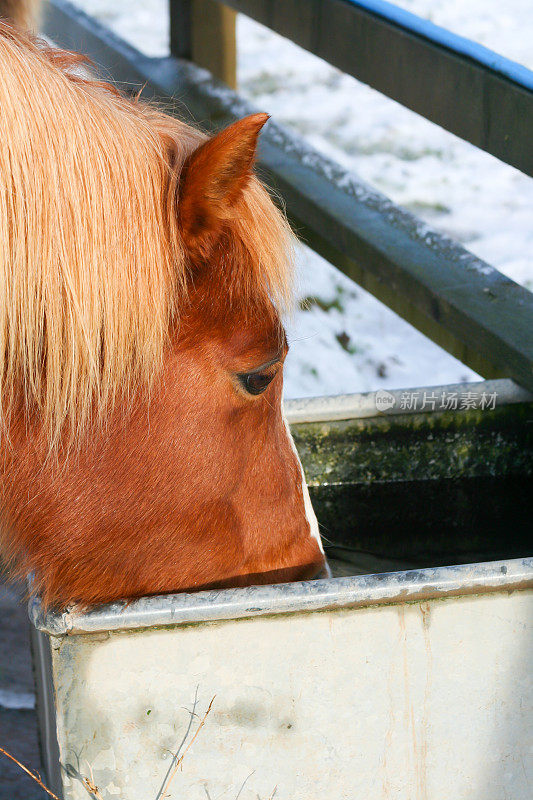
359, 591
363, 405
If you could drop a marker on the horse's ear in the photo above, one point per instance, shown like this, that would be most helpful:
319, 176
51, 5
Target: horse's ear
212, 180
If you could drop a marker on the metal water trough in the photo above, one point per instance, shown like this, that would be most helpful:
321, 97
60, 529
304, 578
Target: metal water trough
407, 676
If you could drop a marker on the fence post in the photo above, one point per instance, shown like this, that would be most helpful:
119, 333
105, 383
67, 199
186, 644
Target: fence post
203, 31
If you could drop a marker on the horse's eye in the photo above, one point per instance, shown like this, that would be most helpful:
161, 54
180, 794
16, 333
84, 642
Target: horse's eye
255, 382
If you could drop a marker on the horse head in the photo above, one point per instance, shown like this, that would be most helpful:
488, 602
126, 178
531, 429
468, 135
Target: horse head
144, 271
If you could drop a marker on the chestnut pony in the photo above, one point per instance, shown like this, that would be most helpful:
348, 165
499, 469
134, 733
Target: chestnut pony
142, 272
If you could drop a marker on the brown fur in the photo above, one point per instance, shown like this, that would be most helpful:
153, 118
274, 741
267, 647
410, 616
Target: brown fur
140, 270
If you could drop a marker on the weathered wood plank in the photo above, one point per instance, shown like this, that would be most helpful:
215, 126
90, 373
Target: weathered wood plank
203, 31
462, 303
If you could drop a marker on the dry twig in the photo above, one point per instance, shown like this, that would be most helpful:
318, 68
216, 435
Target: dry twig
180, 759
36, 777
91, 786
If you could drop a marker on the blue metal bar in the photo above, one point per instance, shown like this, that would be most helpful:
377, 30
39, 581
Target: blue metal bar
512, 70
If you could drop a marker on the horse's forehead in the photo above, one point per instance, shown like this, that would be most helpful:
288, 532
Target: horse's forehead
238, 317
259, 330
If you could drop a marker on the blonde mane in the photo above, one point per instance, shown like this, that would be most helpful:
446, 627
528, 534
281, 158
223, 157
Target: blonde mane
92, 272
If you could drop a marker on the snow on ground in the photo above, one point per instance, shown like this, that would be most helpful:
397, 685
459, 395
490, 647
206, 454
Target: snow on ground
16, 700
342, 338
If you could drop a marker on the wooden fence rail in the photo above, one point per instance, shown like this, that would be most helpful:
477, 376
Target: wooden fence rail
463, 87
